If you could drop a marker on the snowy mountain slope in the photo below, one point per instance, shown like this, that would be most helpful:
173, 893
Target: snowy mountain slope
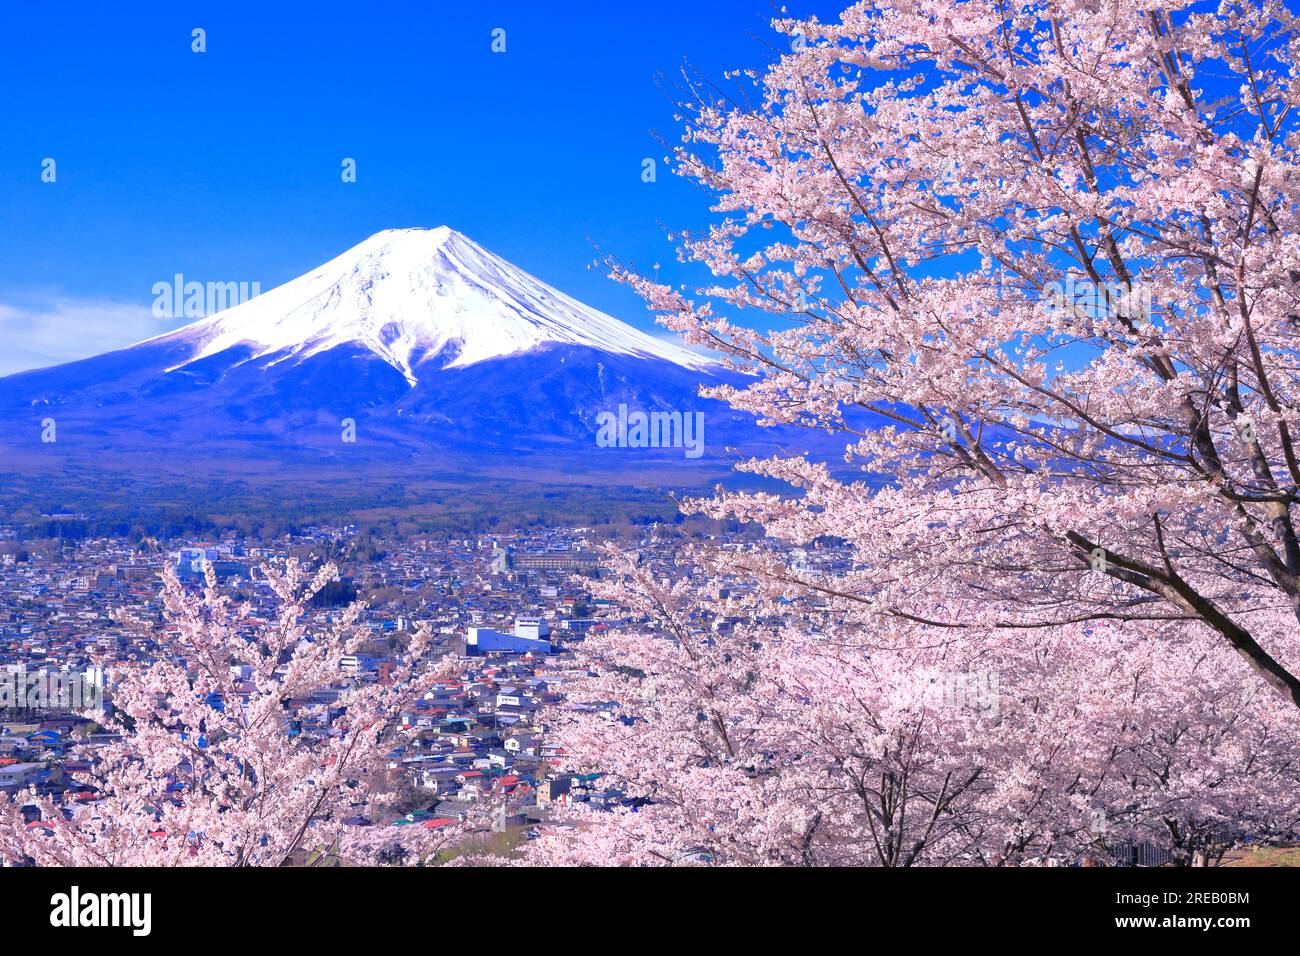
414, 297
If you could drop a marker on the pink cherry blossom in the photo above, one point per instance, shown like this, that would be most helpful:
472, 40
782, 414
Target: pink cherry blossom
207, 769
1037, 267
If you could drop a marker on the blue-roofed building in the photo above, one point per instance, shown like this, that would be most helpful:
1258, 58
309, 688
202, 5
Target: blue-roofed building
485, 640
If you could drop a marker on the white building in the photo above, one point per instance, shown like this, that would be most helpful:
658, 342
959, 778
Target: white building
532, 627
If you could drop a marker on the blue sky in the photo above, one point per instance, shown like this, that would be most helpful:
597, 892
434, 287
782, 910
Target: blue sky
225, 165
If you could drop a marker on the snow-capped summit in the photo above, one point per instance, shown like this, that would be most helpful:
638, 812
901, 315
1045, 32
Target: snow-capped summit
415, 297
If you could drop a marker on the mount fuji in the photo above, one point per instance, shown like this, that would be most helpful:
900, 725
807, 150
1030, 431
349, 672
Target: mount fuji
413, 295
431, 346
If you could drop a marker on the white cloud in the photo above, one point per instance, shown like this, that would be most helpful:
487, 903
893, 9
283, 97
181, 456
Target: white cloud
46, 329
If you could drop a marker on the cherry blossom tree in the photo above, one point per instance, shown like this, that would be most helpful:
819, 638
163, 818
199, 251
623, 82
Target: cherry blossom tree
1205, 760
744, 724
242, 744
753, 743
1050, 249
1036, 265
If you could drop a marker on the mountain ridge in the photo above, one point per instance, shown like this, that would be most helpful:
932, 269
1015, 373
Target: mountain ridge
420, 344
